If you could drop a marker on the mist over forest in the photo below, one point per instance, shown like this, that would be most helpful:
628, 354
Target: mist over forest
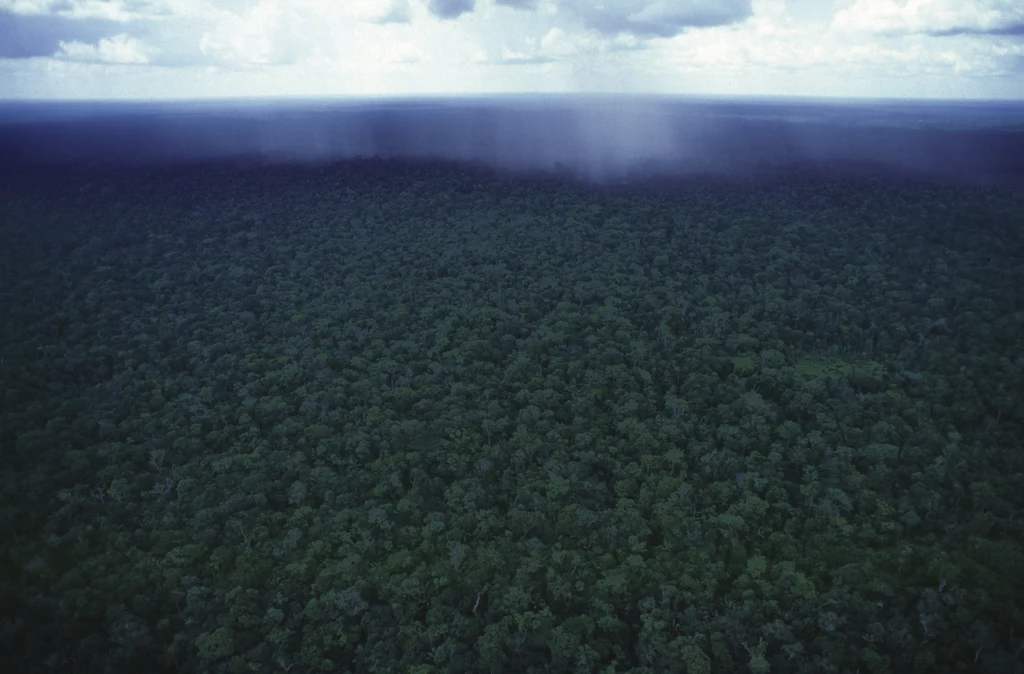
603, 139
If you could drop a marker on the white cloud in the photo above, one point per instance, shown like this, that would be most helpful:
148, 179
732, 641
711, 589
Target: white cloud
402, 53
512, 57
379, 11
773, 41
271, 32
118, 49
557, 43
936, 17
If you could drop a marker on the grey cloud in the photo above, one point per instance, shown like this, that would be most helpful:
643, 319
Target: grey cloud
35, 35
1015, 29
1009, 29
450, 9
86, 9
1016, 64
518, 4
171, 42
657, 18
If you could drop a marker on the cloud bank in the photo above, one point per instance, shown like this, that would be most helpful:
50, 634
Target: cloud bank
196, 48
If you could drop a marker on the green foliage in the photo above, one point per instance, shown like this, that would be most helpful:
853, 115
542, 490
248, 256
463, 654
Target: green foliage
215, 645
420, 419
695, 660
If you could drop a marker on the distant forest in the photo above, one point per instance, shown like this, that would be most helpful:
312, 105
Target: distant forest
416, 417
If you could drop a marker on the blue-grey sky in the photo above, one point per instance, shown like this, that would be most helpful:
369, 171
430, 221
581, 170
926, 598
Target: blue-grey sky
212, 48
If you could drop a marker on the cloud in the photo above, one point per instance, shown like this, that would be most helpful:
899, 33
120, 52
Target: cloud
224, 33
557, 43
398, 12
773, 50
583, 29
118, 49
933, 17
518, 4
558, 46
656, 18
107, 10
380, 11
516, 58
33, 35
270, 33
401, 53
109, 32
208, 47
450, 9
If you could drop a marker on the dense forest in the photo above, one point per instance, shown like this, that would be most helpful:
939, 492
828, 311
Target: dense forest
383, 417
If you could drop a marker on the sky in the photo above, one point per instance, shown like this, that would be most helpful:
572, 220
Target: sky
174, 49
